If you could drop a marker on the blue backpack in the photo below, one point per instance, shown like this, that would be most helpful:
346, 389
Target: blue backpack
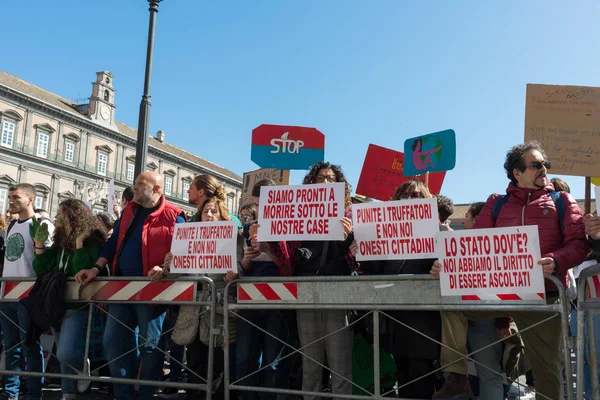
559, 203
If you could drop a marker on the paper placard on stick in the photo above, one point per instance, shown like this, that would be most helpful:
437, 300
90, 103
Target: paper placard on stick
566, 121
280, 176
301, 212
383, 172
204, 247
491, 264
434, 152
395, 230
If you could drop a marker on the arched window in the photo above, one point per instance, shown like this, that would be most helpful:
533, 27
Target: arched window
106, 95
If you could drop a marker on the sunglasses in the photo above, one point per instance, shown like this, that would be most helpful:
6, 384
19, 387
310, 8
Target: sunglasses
245, 217
538, 165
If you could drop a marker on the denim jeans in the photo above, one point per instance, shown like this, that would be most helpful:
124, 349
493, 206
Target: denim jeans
252, 343
480, 334
12, 314
70, 348
167, 344
120, 340
586, 366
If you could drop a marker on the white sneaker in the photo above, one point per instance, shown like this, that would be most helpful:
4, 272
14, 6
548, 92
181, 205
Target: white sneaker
520, 393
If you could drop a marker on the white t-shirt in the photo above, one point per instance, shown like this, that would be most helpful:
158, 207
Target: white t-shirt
18, 257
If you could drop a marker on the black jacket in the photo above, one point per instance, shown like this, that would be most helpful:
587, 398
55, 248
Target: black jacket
45, 304
401, 341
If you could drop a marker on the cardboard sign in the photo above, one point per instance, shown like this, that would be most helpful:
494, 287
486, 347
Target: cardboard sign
395, 230
434, 152
287, 147
566, 121
281, 177
383, 172
498, 263
204, 247
301, 212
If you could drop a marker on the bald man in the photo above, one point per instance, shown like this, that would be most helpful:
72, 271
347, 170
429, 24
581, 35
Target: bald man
137, 247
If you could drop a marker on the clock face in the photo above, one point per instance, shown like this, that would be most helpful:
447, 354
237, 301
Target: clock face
104, 112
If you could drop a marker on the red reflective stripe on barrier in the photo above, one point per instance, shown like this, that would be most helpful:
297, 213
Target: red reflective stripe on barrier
110, 289
17, 290
542, 295
242, 295
470, 297
509, 296
186, 295
150, 291
10, 286
267, 291
292, 287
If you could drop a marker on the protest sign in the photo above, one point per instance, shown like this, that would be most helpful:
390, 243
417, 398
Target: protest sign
383, 172
497, 263
204, 247
280, 176
566, 121
301, 212
112, 199
395, 230
287, 147
434, 152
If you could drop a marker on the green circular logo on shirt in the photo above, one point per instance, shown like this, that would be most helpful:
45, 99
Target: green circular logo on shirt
15, 245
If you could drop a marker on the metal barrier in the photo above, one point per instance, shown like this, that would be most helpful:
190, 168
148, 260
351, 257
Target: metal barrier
586, 308
376, 293
115, 290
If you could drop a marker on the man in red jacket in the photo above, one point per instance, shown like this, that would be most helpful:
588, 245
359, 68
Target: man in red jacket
563, 246
137, 247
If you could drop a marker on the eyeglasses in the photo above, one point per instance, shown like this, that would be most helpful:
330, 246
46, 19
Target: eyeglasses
538, 165
245, 217
325, 178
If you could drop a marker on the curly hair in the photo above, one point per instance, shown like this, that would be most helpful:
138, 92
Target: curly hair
311, 178
413, 189
445, 207
221, 206
2, 223
76, 217
515, 158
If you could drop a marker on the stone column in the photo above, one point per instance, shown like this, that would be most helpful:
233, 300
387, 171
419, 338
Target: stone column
28, 128
53, 205
59, 156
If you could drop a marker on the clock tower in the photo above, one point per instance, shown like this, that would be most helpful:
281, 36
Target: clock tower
102, 102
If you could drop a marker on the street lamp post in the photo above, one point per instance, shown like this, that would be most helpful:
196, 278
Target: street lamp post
141, 149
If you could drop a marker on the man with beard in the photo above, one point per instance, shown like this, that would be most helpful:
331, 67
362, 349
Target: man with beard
137, 247
18, 262
530, 200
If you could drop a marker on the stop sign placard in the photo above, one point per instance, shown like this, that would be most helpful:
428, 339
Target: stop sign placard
287, 147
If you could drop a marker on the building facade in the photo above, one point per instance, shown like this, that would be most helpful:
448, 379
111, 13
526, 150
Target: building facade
73, 150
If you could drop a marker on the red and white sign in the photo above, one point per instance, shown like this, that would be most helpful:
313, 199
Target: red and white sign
395, 230
383, 172
204, 247
301, 212
491, 264
272, 292
14, 290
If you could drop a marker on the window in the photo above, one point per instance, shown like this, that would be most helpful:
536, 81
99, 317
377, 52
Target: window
69, 151
43, 143
39, 200
3, 202
186, 187
8, 133
130, 171
102, 163
230, 203
106, 95
168, 185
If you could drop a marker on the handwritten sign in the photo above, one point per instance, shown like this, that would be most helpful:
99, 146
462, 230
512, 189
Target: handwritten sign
491, 263
434, 152
395, 230
287, 147
383, 172
281, 177
301, 212
566, 121
204, 247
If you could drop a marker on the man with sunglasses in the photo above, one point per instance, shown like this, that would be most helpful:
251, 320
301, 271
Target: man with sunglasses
529, 200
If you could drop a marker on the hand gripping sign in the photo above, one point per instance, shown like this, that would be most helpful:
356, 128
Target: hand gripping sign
395, 230
204, 247
491, 264
301, 212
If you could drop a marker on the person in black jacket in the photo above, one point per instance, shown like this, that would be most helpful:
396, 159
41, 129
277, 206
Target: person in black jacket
415, 355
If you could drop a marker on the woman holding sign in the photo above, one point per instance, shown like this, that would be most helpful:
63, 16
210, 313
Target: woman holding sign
415, 355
